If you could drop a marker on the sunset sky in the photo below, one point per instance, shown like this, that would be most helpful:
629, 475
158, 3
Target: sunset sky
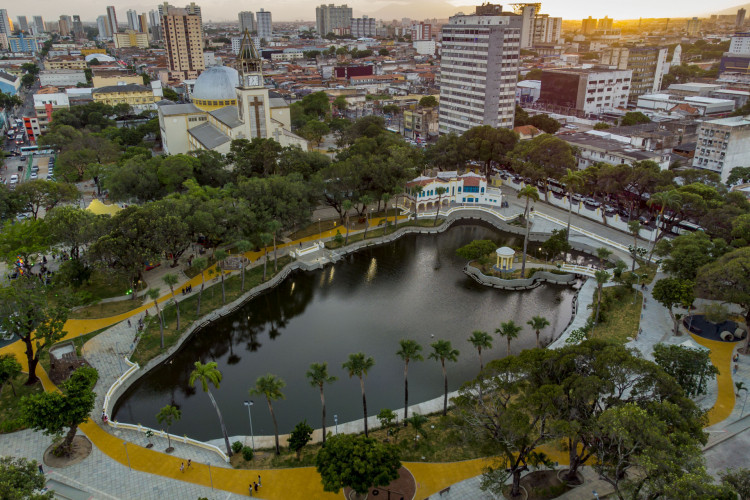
290, 10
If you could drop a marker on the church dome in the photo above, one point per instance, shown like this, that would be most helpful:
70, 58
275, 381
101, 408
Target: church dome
215, 88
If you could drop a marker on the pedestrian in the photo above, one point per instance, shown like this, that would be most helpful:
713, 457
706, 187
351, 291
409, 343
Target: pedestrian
736, 357
190, 462
250, 487
736, 366
182, 467
41, 469
256, 486
129, 325
258, 480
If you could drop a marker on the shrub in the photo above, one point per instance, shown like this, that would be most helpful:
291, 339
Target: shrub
247, 453
236, 446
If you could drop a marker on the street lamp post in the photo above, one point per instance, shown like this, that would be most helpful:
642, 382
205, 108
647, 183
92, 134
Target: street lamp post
318, 229
336, 421
249, 404
125, 444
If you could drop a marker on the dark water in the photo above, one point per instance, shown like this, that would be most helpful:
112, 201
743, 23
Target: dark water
414, 288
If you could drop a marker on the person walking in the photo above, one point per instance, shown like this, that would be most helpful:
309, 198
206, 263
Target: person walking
250, 487
190, 462
255, 485
182, 467
259, 481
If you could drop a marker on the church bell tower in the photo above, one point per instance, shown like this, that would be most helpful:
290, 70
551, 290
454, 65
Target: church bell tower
249, 64
252, 96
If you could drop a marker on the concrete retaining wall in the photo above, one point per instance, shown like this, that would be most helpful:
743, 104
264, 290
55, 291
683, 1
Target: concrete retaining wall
534, 281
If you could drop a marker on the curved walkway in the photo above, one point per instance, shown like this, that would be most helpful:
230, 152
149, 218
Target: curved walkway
299, 483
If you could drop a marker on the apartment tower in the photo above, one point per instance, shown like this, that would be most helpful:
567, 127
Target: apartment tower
329, 17
184, 43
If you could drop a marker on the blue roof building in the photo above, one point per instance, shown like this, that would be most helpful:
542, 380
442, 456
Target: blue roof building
23, 43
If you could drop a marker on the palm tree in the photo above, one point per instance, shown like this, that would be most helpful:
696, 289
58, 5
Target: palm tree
210, 373
538, 323
531, 194
153, 294
265, 239
417, 421
168, 415
480, 340
571, 180
665, 199
601, 278
634, 227
365, 200
440, 192
243, 246
358, 364
443, 351
385, 198
346, 206
200, 264
318, 376
269, 386
603, 254
274, 227
510, 331
171, 279
220, 256
410, 351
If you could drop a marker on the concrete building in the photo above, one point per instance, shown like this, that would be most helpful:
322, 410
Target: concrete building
693, 26
329, 17
649, 64
141, 98
723, 144
528, 91
23, 24
588, 26
38, 25
597, 146
154, 21
740, 44
425, 47
134, 22
46, 104
420, 124
547, 29
363, 27
421, 31
64, 25
77, 28
143, 20
264, 24
112, 20
592, 91
103, 26
528, 13
247, 21
478, 70
107, 78
466, 189
62, 77
6, 25
65, 63
737, 59
130, 39
684, 105
604, 24
184, 43
23, 43
740, 21
9, 84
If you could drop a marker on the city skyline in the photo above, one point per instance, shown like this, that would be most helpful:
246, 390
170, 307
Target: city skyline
304, 10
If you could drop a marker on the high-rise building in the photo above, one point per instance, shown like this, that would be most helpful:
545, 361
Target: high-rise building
143, 21
528, 13
363, 27
64, 25
722, 145
478, 70
6, 26
38, 25
133, 21
195, 10
604, 24
421, 31
264, 24
77, 27
23, 43
112, 19
130, 38
23, 24
693, 26
547, 29
329, 17
588, 26
154, 20
591, 91
648, 65
184, 43
247, 21
740, 21
102, 25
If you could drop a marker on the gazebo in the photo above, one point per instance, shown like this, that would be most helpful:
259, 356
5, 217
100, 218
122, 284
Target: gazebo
504, 259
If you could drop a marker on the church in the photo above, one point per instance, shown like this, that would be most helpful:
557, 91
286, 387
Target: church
228, 104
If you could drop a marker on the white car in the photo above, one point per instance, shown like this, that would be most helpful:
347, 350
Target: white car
13, 179
34, 175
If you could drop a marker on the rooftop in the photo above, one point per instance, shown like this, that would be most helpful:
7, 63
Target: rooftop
208, 136
179, 109
228, 115
130, 87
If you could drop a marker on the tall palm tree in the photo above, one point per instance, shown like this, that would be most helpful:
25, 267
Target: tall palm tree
531, 194
603, 253
634, 227
443, 351
440, 192
221, 255
538, 323
265, 239
273, 228
269, 386
171, 280
346, 206
601, 278
510, 331
410, 351
385, 198
365, 200
200, 264
571, 180
210, 373
153, 294
480, 340
358, 364
318, 377
243, 246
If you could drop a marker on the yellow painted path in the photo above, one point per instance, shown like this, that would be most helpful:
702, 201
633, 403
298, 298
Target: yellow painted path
721, 358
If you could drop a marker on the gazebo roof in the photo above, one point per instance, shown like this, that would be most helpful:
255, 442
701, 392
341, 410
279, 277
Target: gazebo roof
505, 252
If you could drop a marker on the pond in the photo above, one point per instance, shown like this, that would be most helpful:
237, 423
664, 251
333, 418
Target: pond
414, 288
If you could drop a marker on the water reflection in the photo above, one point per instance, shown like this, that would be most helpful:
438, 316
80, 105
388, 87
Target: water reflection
414, 288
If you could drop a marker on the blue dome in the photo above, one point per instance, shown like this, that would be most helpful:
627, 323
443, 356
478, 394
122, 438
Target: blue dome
217, 82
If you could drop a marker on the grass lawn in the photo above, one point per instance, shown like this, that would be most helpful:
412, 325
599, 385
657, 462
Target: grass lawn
106, 309
192, 273
9, 411
312, 229
149, 345
439, 442
375, 233
622, 316
648, 269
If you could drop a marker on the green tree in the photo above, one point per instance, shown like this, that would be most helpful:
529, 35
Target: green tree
488, 144
687, 253
601, 278
300, 436
199, 265
738, 175
480, 340
410, 350
357, 462
538, 323
358, 364
10, 368
53, 412
153, 294
738, 480
509, 330
171, 280
428, 101
340, 103
314, 131
572, 181
27, 239
210, 374
22, 480
556, 244
170, 94
318, 376
269, 386
169, 415
602, 126
634, 118
440, 192
531, 194
634, 227
670, 292
691, 368
221, 256
443, 351
476, 249
417, 422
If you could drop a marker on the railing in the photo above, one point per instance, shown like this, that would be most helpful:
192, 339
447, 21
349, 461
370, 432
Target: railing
588, 271
591, 235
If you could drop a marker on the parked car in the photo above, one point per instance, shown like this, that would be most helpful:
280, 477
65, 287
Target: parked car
13, 179
34, 175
